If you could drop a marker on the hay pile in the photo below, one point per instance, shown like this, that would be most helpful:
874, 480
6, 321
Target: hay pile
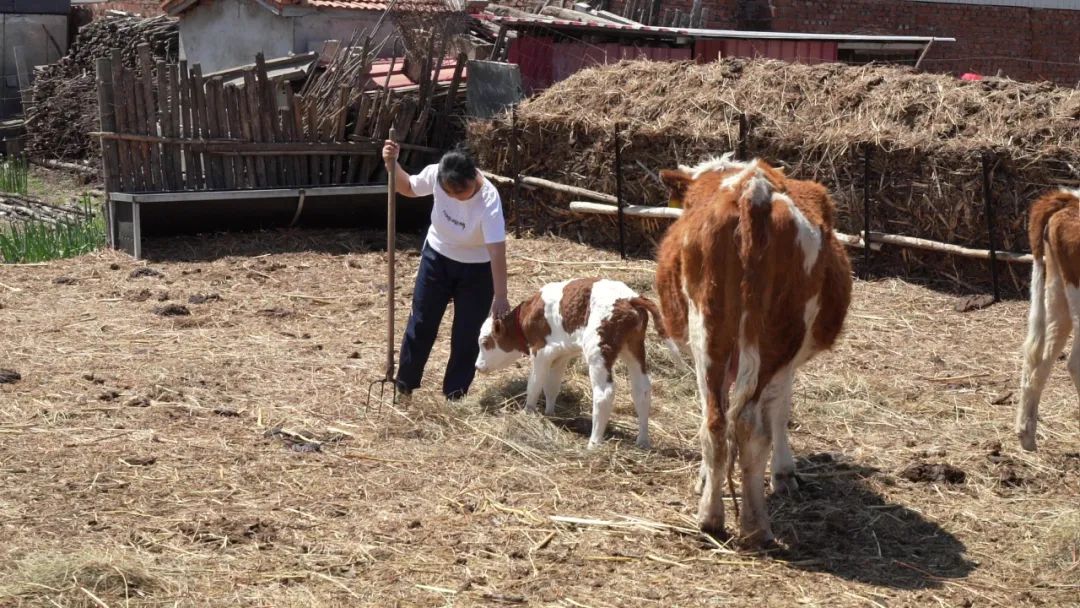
926, 133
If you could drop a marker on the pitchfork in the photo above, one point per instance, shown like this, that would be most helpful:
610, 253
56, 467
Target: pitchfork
391, 247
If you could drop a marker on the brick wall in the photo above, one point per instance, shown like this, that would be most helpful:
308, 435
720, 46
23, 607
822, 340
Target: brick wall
1025, 44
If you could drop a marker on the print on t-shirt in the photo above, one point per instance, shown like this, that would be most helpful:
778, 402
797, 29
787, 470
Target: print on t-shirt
458, 223
475, 223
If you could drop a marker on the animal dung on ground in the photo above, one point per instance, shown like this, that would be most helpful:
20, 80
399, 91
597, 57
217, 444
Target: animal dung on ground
9, 376
145, 272
971, 303
929, 472
65, 281
204, 298
172, 310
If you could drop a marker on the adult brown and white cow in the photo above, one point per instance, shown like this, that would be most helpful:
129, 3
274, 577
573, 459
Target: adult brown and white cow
752, 277
1054, 232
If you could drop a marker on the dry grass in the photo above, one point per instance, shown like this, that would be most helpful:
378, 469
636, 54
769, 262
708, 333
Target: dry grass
145, 446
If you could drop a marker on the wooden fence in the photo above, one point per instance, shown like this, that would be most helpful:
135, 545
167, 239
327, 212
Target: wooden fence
166, 128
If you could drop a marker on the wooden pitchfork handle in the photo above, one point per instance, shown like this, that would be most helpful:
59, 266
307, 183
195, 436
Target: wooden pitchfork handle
391, 247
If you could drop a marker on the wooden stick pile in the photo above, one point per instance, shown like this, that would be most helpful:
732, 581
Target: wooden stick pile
171, 129
63, 111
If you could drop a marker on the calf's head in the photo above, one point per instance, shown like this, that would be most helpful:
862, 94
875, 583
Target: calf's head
502, 342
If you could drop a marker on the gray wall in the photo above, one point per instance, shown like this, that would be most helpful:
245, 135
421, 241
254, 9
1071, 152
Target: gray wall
312, 29
227, 33
26, 31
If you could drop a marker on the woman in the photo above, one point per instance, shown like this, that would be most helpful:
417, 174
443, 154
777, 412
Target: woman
463, 259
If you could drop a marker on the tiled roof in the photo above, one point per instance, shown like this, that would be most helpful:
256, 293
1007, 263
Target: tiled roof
433, 6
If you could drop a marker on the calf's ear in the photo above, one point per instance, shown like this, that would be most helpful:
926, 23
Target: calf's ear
677, 182
497, 326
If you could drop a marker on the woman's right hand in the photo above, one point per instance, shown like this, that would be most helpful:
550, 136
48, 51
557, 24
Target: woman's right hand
390, 153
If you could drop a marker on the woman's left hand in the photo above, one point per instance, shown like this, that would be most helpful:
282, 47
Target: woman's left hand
499, 308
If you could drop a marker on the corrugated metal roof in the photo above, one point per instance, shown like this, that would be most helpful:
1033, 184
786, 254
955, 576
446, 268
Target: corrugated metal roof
648, 30
178, 6
398, 79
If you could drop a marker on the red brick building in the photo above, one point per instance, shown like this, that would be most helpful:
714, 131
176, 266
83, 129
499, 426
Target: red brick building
1023, 39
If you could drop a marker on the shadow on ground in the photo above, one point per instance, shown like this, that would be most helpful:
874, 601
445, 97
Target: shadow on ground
211, 247
839, 525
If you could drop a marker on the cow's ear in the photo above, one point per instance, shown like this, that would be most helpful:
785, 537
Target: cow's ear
497, 326
677, 182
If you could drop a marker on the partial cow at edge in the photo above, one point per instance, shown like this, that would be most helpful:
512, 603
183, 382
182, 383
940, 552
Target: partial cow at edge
1054, 232
754, 280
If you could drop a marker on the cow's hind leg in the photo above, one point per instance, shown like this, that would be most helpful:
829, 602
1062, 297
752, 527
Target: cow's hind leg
1072, 294
640, 389
1049, 325
779, 411
603, 389
753, 438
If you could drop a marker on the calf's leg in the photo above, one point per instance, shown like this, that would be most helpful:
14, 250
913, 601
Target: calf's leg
554, 383
538, 377
640, 391
603, 393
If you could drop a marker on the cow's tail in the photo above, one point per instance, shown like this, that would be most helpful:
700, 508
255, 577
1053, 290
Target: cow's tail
755, 208
1038, 220
647, 308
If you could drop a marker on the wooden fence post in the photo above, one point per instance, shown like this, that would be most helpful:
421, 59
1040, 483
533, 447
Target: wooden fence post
867, 150
990, 228
109, 157
515, 166
618, 192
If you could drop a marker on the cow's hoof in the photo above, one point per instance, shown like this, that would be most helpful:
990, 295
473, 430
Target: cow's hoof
644, 444
1027, 440
785, 484
549, 411
713, 525
592, 445
758, 540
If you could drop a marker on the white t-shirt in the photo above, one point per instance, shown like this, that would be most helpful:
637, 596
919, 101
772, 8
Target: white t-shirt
461, 230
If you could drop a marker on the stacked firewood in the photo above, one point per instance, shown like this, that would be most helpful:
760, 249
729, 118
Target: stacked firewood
63, 110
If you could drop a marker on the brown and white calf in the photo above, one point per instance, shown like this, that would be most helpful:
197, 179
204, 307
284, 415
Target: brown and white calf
753, 278
1054, 232
600, 319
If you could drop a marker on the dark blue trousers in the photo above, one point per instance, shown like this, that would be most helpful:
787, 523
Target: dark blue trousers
438, 281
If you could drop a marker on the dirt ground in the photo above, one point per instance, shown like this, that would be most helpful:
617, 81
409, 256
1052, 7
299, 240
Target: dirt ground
192, 431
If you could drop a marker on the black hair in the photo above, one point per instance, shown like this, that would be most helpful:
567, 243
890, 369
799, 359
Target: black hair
457, 169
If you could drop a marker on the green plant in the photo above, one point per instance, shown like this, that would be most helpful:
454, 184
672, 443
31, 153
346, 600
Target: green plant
14, 174
38, 240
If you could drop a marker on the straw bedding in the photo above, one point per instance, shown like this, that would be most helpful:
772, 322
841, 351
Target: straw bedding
925, 134
224, 457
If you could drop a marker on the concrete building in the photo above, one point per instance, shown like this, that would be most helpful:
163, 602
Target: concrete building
220, 34
32, 32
